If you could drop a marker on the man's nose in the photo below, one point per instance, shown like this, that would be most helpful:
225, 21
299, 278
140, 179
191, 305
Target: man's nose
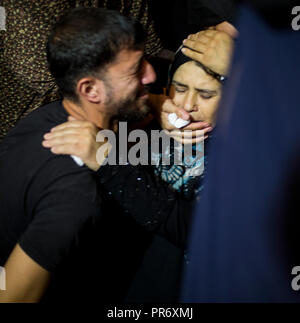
149, 75
190, 103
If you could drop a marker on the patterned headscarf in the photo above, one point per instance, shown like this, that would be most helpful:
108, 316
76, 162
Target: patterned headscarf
181, 59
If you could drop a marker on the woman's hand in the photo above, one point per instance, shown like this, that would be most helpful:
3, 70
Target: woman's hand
162, 106
190, 134
194, 132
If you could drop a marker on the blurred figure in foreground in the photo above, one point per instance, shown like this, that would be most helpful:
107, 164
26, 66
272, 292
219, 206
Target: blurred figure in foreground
244, 242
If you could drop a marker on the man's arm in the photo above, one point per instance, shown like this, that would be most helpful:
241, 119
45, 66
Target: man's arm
26, 280
60, 200
149, 200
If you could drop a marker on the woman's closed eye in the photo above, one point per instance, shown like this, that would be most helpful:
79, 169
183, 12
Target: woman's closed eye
206, 96
180, 89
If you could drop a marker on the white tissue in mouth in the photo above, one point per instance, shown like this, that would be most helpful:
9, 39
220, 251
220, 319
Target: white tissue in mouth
177, 122
77, 160
181, 123
172, 117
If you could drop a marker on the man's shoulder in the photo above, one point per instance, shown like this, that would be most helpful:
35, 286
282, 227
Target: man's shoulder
23, 157
41, 119
24, 142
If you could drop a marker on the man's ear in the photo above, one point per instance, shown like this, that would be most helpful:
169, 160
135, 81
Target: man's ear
91, 89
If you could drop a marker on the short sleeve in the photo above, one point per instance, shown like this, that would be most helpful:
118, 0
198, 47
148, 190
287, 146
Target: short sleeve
60, 200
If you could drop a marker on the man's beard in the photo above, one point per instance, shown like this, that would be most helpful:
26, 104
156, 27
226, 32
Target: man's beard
131, 109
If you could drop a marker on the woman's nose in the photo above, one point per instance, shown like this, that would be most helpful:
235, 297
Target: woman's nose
190, 102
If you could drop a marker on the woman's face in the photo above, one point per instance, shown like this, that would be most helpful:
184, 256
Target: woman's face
195, 91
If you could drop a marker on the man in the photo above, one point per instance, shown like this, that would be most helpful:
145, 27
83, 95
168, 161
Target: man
47, 201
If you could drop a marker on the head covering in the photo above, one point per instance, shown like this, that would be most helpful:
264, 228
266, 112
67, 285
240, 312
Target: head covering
181, 59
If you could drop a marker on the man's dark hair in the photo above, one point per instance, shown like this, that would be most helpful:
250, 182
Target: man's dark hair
85, 42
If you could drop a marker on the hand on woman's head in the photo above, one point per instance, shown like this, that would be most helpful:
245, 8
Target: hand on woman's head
227, 28
212, 48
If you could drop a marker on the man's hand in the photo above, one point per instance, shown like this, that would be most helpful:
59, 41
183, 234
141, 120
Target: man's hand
162, 106
227, 28
76, 138
212, 48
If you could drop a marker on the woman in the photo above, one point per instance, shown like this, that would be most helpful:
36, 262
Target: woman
196, 89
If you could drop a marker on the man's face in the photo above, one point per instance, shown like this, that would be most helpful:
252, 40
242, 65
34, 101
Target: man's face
125, 84
195, 91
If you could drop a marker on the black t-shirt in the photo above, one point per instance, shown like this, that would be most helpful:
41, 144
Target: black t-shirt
52, 207
45, 199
